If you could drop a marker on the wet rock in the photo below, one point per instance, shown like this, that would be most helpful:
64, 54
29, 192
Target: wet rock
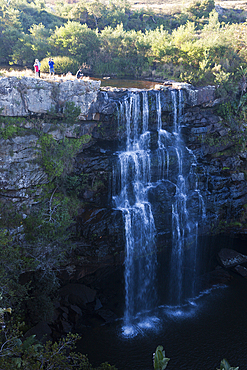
241, 270
107, 315
230, 258
219, 276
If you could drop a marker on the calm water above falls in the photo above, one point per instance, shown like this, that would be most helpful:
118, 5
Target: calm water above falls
128, 84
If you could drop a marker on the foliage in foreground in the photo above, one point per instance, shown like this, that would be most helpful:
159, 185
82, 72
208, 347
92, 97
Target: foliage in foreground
224, 365
18, 352
160, 362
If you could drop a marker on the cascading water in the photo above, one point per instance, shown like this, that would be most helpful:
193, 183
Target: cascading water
140, 170
186, 211
132, 200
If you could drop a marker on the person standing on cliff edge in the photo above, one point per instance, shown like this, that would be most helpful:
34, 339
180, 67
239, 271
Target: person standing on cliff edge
36, 68
51, 67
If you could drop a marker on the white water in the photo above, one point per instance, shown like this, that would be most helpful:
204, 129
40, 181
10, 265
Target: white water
132, 200
187, 207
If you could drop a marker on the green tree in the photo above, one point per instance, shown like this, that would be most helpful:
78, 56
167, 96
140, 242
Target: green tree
78, 12
39, 36
76, 40
10, 30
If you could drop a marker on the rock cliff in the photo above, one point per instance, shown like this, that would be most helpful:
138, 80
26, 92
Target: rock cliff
31, 108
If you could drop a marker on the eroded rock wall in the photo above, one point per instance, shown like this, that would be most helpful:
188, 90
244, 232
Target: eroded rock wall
219, 149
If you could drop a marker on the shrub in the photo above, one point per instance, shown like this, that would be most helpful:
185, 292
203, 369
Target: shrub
160, 361
17, 352
61, 65
56, 157
71, 112
201, 8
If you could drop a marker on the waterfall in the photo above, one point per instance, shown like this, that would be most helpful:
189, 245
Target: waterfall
132, 200
156, 159
188, 210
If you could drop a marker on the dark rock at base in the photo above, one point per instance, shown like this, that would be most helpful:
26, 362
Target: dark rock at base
229, 258
219, 276
78, 294
241, 270
98, 304
76, 309
66, 326
107, 315
42, 331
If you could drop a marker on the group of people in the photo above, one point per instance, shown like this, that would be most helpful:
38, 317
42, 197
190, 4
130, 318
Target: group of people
37, 66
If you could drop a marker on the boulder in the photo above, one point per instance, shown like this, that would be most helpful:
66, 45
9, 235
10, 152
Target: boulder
78, 294
42, 331
107, 315
241, 270
230, 258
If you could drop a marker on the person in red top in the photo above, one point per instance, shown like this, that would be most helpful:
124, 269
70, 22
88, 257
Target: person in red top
37, 68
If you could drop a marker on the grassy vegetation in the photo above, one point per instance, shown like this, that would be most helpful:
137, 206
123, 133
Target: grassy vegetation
188, 42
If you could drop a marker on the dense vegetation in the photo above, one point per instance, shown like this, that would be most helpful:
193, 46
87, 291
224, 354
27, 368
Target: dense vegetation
194, 45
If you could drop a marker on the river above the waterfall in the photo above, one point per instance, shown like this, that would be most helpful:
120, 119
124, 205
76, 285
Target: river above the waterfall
125, 83
212, 327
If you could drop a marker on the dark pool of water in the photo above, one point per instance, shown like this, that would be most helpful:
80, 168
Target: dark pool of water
214, 329
198, 336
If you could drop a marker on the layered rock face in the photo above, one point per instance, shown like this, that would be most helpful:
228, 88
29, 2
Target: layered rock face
21, 97
218, 148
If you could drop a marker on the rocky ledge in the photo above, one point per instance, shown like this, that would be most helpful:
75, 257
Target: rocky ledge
22, 97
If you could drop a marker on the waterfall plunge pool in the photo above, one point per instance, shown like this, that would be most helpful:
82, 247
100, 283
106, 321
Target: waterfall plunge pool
211, 327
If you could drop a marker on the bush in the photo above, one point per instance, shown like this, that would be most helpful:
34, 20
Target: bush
18, 352
201, 8
61, 65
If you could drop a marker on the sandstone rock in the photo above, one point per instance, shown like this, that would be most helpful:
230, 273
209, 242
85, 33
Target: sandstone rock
19, 169
98, 304
200, 96
27, 95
